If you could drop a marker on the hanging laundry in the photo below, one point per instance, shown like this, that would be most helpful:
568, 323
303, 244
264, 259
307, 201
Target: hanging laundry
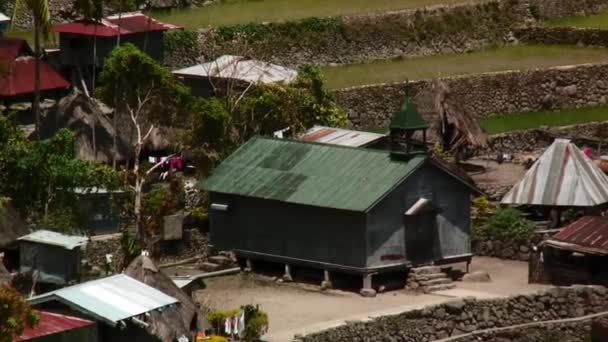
241, 329
235, 323
228, 326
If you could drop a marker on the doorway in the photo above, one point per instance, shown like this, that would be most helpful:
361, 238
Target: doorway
421, 237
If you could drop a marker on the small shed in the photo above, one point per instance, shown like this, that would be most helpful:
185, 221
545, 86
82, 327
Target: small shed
352, 210
212, 78
54, 327
5, 23
578, 254
101, 209
55, 257
121, 305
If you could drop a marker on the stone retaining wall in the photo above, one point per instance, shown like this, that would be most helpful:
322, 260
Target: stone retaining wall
468, 315
562, 35
485, 94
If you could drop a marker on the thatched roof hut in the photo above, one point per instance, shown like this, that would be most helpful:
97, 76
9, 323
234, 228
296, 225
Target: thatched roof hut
171, 323
12, 226
450, 123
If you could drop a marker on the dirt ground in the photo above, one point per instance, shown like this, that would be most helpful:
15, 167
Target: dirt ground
505, 174
296, 308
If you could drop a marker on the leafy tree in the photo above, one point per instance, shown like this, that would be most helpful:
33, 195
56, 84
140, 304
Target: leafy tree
219, 125
40, 177
145, 95
15, 314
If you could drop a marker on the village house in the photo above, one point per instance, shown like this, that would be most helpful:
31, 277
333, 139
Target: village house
86, 43
54, 258
54, 327
17, 77
339, 208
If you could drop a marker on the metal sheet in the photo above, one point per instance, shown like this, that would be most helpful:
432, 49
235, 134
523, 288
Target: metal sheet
587, 233
111, 26
342, 137
50, 324
240, 68
111, 299
562, 176
312, 174
48, 237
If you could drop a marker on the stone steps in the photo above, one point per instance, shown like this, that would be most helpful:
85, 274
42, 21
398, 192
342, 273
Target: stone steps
428, 279
437, 281
441, 287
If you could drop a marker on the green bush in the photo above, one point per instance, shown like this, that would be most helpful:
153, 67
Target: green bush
290, 29
509, 225
256, 323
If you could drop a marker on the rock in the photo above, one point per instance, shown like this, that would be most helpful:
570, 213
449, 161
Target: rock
524, 249
455, 307
569, 90
369, 293
477, 277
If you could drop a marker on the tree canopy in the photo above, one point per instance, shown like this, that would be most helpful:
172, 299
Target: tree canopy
15, 314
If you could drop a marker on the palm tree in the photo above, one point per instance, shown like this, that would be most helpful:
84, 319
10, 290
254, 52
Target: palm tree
42, 28
92, 10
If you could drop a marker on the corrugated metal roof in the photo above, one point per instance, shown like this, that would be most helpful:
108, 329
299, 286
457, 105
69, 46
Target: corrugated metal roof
587, 234
21, 76
3, 17
408, 117
338, 136
50, 324
112, 26
48, 237
562, 176
241, 68
110, 299
312, 174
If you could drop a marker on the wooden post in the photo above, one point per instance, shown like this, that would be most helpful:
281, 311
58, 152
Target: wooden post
287, 276
367, 290
326, 283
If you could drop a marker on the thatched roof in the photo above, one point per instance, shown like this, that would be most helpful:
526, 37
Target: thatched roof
81, 114
12, 226
170, 323
450, 123
5, 275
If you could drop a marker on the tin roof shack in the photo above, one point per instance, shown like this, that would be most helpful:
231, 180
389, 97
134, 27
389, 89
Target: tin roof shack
578, 254
562, 178
101, 209
232, 72
55, 257
17, 82
76, 40
123, 306
53, 327
353, 210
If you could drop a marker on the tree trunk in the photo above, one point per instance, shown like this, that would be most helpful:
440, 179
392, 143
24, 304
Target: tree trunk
139, 182
94, 60
36, 103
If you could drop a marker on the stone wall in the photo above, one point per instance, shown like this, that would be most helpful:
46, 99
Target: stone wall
355, 39
485, 94
468, 315
562, 35
505, 249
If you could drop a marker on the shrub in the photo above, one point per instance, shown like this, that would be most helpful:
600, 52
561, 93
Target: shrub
510, 225
256, 323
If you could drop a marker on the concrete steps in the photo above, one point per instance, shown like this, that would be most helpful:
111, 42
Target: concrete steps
428, 279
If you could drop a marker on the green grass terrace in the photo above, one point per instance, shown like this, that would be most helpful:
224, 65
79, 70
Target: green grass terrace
517, 57
597, 21
503, 123
230, 12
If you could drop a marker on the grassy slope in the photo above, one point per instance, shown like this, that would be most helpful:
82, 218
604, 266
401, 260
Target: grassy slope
592, 21
519, 121
231, 12
495, 59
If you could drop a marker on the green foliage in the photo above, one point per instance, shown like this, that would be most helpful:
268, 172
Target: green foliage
15, 314
136, 84
217, 338
215, 318
130, 247
40, 177
256, 323
482, 211
286, 30
507, 225
219, 125
180, 47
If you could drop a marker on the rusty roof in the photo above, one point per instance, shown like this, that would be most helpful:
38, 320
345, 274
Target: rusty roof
562, 176
339, 136
588, 234
52, 324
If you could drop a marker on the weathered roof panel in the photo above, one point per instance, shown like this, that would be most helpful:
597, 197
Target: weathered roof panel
110, 299
562, 176
123, 24
48, 237
339, 136
50, 324
319, 175
587, 234
240, 68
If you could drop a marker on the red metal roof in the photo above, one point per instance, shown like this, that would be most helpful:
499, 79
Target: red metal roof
11, 48
20, 78
587, 234
52, 323
113, 26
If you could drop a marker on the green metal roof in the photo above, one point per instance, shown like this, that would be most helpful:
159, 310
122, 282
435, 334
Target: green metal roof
408, 117
312, 174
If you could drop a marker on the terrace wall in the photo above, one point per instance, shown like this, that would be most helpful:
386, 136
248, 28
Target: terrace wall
485, 94
419, 32
562, 35
468, 315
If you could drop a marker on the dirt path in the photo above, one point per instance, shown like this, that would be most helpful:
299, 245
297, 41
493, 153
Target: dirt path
299, 308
